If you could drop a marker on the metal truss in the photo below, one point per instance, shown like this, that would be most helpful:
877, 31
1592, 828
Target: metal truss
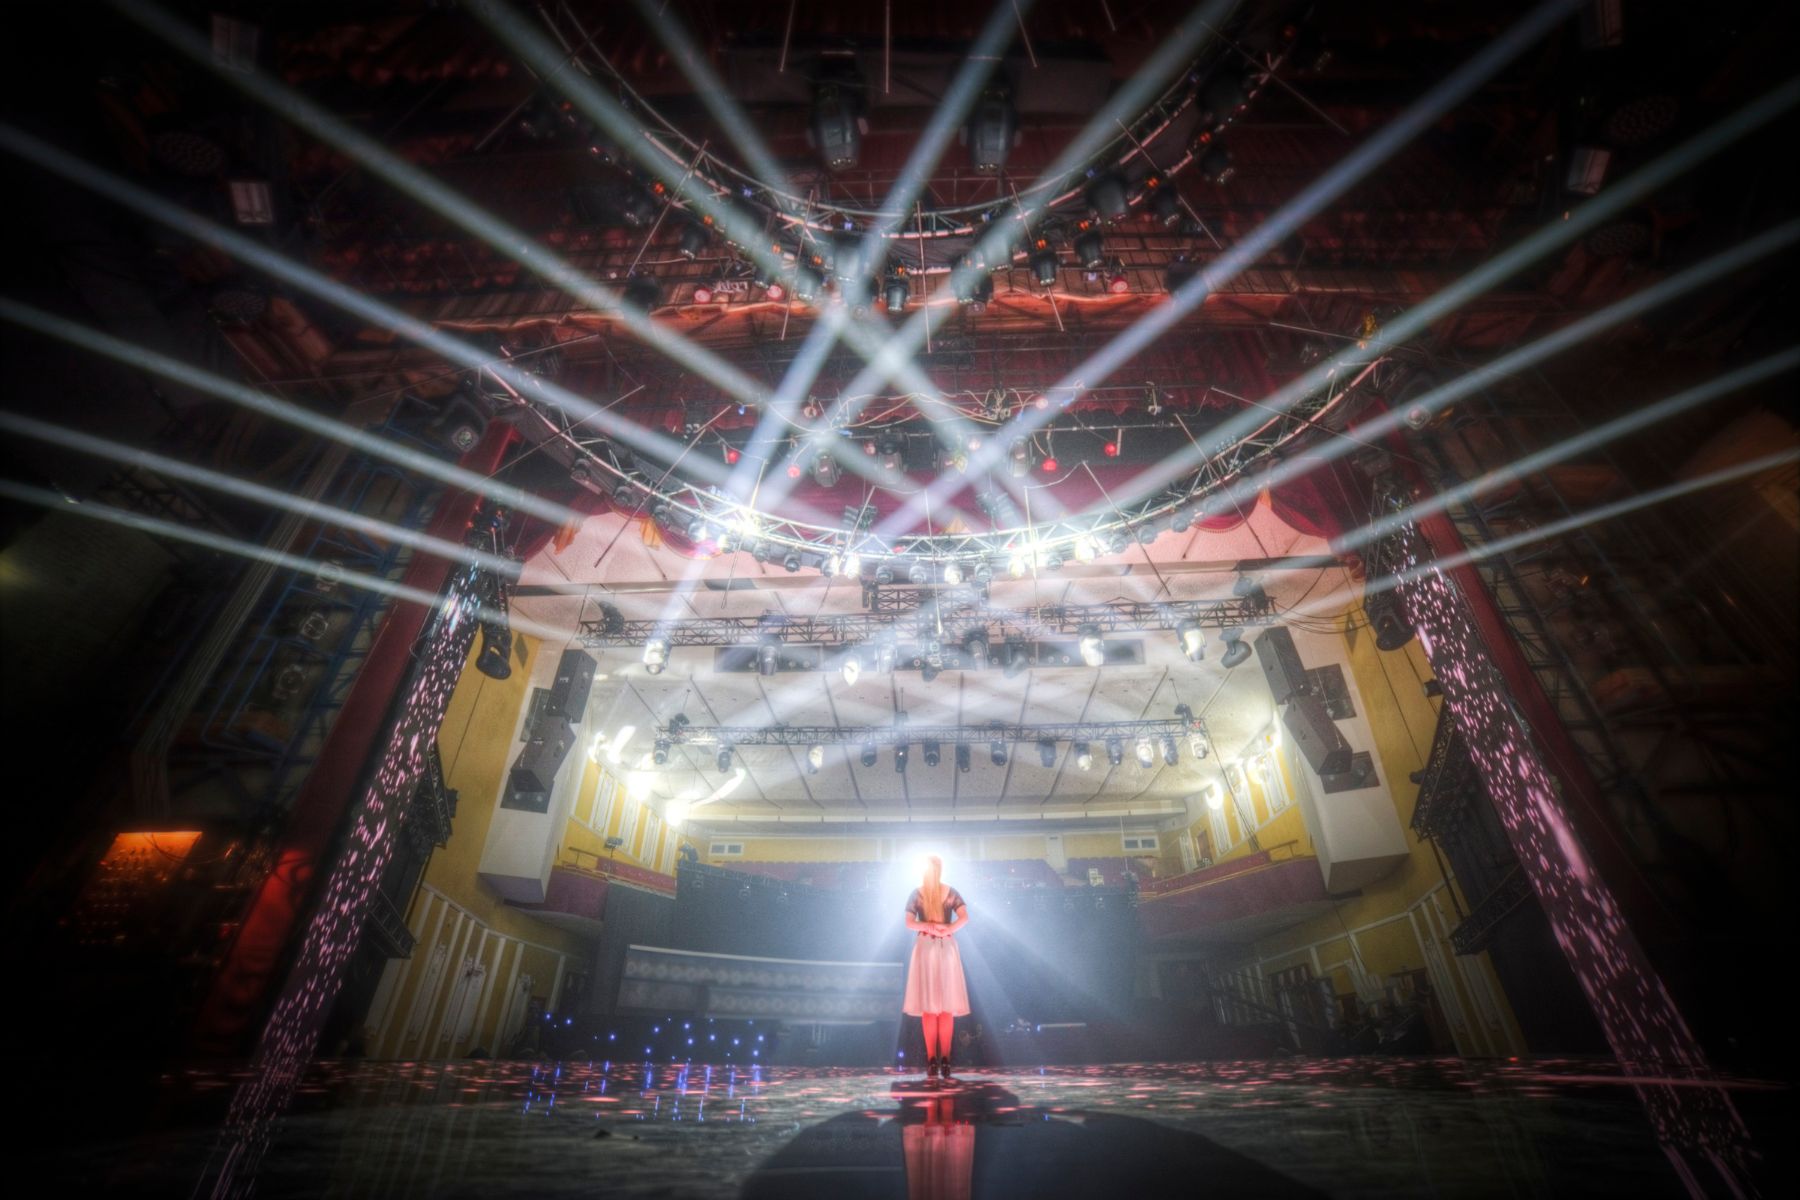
808, 215
948, 624
1096, 733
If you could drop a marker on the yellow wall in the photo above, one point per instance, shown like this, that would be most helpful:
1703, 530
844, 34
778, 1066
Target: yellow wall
1389, 913
452, 907
604, 793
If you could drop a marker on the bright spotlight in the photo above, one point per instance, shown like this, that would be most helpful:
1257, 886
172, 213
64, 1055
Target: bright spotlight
656, 653
1146, 753
1193, 640
1215, 796
676, 813
815, 759
1084, 756
1093, 649
852, 667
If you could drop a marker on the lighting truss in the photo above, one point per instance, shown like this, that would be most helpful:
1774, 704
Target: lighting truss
849, 629
728, 525
960, 735
793, 211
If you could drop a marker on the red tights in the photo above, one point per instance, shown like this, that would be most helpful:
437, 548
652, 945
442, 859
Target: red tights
937, 1028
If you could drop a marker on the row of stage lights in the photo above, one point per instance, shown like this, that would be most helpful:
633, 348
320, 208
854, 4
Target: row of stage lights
1014, 656
976, 645
1145, 751
825, 255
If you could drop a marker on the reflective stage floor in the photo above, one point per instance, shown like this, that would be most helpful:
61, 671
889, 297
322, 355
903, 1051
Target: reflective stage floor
1350, 1127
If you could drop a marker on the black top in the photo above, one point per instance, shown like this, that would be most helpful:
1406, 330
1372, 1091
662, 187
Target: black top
915, 903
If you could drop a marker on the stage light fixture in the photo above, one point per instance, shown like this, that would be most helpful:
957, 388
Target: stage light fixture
837, 124
884, 575
1171, 755
918, 574
807, 283
1084, 756
1019, 459
825, 470
1046, 752
953, 574
975, 649
1197, 746
1107, 199
897, 290
1049, 466
852, 667
815, 759
1115, 751
1214, 164
656, 653
659, 753
890, 454
1110, 448
1250, 590
929, 670
934, 754
962, 758
1043, 262
1090, 249
724, 760
992, 130
495, 660
1237, 651
790, 562
693, 240
884, 658
868, 754
1192, 639
1093, 648
1146, 753
997, 752
982, 575
642, 292
1118, 283
900, 759
1018, 658
853, 563
768, 654
1165, 204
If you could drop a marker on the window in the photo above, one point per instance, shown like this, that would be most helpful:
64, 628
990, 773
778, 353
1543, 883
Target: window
1274, 783
725, 850
1221, 833
1141, 843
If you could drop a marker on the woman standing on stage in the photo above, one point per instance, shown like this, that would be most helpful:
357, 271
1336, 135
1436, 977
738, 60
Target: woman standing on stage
934, 981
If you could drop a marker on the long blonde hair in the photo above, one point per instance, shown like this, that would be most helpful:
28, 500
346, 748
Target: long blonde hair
932, 890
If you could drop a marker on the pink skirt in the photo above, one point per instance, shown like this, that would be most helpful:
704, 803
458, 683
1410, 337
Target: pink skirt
934, 980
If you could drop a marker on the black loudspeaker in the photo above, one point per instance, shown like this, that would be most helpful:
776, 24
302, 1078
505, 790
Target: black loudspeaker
1316, 734
1280, 661
574, 680
535, 771
1392, 629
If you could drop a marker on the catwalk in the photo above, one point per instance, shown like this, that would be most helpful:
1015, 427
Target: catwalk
1344, 1127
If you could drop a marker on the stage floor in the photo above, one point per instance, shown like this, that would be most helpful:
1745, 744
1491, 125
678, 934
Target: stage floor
1352, 1127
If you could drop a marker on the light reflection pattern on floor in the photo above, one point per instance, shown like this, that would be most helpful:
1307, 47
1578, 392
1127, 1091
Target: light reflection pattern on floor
1349, 1127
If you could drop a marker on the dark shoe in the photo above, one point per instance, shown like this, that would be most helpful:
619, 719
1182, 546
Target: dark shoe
944, 1070
931, 1070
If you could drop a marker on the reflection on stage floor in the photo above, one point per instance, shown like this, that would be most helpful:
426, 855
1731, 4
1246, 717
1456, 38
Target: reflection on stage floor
1351, 1127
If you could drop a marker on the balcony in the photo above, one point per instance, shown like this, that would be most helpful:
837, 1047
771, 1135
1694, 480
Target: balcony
575, 897
1237, 901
